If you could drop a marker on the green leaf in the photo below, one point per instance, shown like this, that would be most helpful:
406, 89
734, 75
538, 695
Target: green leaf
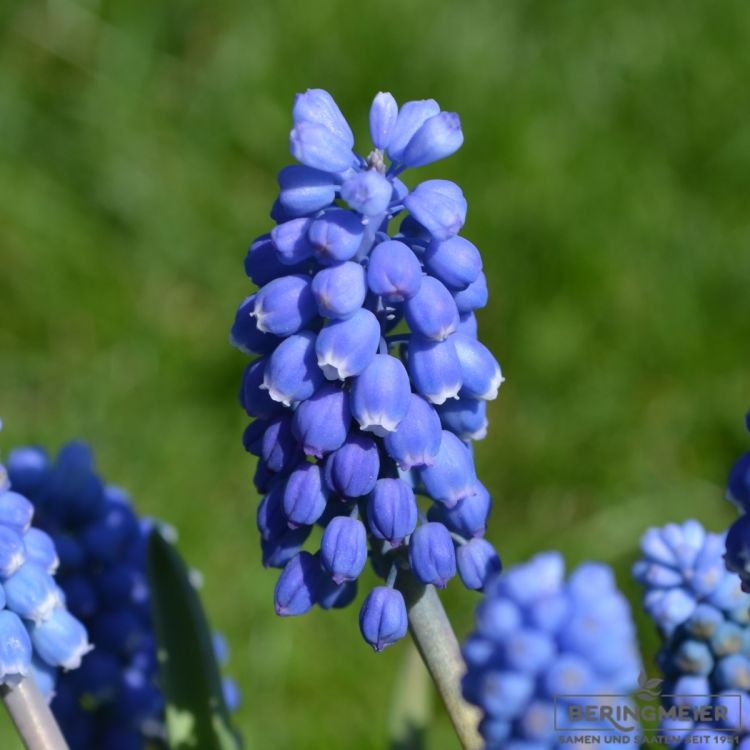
197, 717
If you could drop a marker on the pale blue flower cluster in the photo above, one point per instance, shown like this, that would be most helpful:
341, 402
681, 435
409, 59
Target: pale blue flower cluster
38, 635
543, 641
371, 383
704, 619
681, 567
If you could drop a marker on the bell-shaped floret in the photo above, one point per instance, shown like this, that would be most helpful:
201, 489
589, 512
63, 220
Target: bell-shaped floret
439, 206
416, 441
345, 348
381, 395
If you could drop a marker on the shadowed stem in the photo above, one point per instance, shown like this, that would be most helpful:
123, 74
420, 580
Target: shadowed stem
437, 644
35, 724
411, 707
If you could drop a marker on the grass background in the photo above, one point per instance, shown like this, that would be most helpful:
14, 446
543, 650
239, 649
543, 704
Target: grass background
607, 168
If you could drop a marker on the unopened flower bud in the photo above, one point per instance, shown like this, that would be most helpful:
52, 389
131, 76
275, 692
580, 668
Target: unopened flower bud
336, 235
339, 289
439, 206
280, 449
352, 470
315, 146
438, 137
392, 511
383, 115
318, 106
304, 190
383, 619
410, 118
455, 261
394, 272
343, 549
321, 423
28, 468
432, 556
469, 516
477, 562
473, 297
291, 243
431, 312
304, 497
368, 192
297, 587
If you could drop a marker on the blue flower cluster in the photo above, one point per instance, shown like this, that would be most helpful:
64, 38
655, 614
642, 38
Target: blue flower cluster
38, 635
681, 567
737, 557
113, 700
370, 382
540, 641
704, 619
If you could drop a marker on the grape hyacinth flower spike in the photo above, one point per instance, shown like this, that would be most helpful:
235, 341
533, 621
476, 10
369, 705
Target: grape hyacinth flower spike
682, 567
370, 382
737, 556
39, 637
114, 699
704, 620
539, 637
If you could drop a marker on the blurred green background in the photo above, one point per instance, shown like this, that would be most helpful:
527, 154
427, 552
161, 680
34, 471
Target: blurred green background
607, 168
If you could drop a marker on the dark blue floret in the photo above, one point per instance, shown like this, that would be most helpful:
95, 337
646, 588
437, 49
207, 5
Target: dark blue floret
383, 619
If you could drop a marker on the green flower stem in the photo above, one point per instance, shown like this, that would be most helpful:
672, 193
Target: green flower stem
437, 644
411, 706
35, 724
